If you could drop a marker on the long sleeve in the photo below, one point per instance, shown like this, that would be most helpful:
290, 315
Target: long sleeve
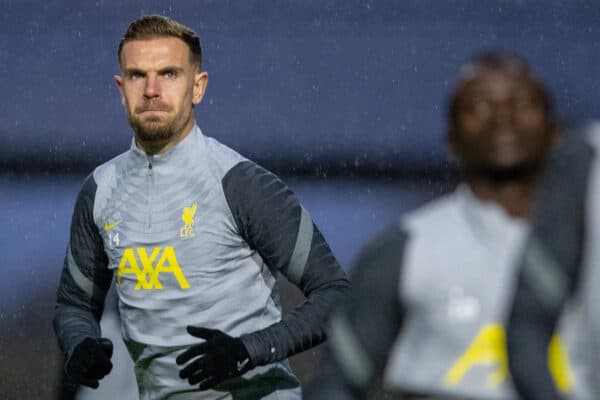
85, 277
364, 329
271, 220
550, 268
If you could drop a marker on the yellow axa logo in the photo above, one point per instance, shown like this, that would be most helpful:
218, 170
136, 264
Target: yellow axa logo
188, 221
159, 261
489, 349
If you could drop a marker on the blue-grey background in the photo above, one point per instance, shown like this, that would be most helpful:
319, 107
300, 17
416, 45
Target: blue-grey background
344, 99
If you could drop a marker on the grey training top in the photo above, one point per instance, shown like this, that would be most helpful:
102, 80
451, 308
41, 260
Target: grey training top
431, 298
195, 236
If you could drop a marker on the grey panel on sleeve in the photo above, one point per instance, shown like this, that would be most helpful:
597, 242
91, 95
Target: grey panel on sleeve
544, 275
301, 251
84, 283
351, 357
85, 278
265, 210
365, 328
271, 221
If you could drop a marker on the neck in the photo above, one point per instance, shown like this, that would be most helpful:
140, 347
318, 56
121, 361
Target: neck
516, 196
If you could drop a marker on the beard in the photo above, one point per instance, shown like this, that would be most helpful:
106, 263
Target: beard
156, 129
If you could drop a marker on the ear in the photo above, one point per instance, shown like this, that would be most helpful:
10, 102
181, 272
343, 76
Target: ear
119, 82
200, 83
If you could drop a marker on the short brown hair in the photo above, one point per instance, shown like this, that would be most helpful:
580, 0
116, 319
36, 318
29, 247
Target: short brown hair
154, 26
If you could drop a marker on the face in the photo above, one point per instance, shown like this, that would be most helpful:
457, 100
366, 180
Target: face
501, 125
159, 86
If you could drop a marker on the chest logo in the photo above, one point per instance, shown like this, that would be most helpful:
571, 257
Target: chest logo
159, 261
108, 227
113, 237
489, 349
187, 230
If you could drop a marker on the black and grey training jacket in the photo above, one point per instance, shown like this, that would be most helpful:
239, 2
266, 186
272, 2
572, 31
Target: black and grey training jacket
195, 236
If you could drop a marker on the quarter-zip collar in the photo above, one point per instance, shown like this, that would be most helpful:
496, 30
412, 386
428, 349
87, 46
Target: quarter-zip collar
178, 152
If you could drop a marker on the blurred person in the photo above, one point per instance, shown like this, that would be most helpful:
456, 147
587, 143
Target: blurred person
195, 235
559, 266
431, 295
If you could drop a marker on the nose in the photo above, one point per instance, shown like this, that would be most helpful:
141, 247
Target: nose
503, 112
152, 88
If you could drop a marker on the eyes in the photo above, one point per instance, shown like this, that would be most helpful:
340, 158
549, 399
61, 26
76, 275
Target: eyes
170, 74
483, 107
135, 75
167, 74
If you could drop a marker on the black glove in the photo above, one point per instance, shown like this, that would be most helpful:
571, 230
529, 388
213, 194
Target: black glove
90, 361
220, 357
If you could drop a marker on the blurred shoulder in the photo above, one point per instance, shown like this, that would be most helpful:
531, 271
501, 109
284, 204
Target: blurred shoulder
433, 215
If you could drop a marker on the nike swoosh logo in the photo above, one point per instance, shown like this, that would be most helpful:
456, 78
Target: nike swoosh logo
242, 364
108, 227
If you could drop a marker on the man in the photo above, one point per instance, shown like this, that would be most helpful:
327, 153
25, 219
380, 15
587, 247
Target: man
559, 265
431, 295
195, 235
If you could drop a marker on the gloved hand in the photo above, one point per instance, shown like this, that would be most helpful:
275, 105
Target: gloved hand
90, 361
219, 358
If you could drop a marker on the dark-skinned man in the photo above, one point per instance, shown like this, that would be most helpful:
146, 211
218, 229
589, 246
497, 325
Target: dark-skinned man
431, 295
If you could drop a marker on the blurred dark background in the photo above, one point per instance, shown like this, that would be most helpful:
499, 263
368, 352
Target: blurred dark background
344, 99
